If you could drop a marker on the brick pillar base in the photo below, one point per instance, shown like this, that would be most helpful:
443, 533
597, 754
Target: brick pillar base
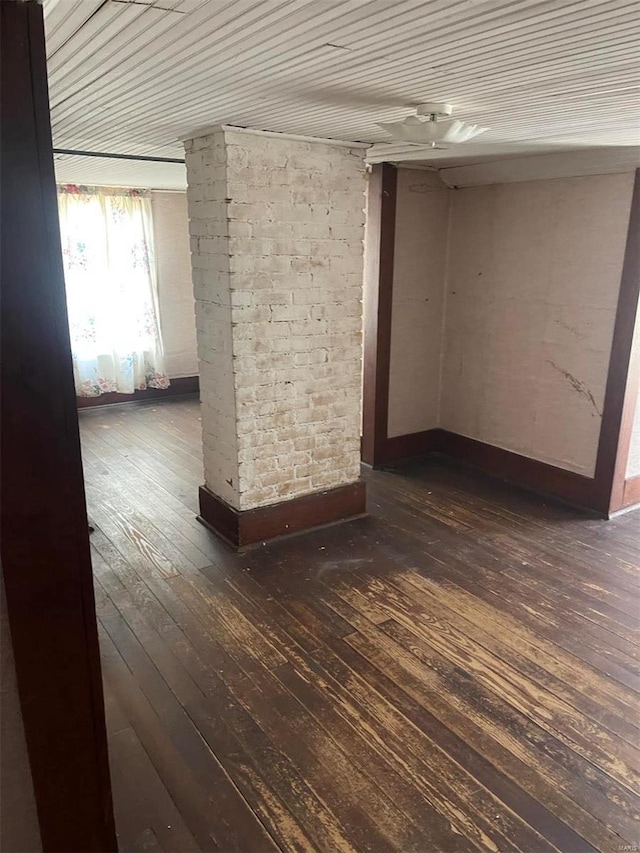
242, 528
276, 238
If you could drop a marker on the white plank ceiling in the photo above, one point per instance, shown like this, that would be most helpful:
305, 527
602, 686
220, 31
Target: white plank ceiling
136, 76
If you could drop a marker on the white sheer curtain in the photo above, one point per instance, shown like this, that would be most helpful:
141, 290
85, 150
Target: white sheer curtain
109, 266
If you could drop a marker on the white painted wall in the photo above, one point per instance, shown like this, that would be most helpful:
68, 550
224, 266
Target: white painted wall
530, 292
533, 278
422, 213
175, 290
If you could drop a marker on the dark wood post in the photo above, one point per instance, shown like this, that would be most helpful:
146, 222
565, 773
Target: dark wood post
378, 298
45, 547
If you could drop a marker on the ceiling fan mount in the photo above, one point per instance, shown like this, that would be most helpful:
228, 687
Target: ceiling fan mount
430, 125
435, 110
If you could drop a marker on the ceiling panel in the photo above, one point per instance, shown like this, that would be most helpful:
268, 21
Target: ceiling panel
101, 171
135, 77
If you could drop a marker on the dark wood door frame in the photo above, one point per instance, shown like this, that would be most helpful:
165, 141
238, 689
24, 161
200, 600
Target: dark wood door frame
378, 300
45, 546
623, 379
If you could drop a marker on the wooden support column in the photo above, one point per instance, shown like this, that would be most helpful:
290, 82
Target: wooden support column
378, 299
45, 543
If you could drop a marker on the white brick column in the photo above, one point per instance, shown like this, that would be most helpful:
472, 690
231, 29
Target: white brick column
277, 255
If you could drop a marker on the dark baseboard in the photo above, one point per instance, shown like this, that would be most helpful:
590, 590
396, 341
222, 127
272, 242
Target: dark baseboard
520, 470
529, 473
407, 446
631, 495
178, 388
241, 528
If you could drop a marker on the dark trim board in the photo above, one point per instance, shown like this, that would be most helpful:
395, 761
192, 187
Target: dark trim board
178, 388
46, 559
520, 470
505, 464
400, 447
531, 474
378, 299
250, 527
109, 156
624, 375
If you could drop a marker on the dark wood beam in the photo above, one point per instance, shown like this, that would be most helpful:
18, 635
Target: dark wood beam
45, 545
624, 375
378, 299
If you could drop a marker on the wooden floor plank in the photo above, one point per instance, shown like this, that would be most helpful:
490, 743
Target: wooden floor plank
516, 759
225, 723
218, 811
339, 784
440, 553
555, 677
455, 794
458, 672
147, 801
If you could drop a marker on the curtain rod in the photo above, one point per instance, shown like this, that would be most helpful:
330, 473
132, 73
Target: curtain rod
117, 156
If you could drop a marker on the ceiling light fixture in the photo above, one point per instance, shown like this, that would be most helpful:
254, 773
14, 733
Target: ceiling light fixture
427, 128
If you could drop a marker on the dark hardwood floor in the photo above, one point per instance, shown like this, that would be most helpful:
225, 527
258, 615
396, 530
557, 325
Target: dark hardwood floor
457, 672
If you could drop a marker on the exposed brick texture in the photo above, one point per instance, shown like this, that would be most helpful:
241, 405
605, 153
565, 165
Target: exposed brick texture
276, 238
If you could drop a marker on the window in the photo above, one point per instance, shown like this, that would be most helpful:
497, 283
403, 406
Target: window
109, 266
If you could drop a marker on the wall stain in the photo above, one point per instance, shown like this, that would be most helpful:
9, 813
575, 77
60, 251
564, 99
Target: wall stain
578, 386
569, 328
